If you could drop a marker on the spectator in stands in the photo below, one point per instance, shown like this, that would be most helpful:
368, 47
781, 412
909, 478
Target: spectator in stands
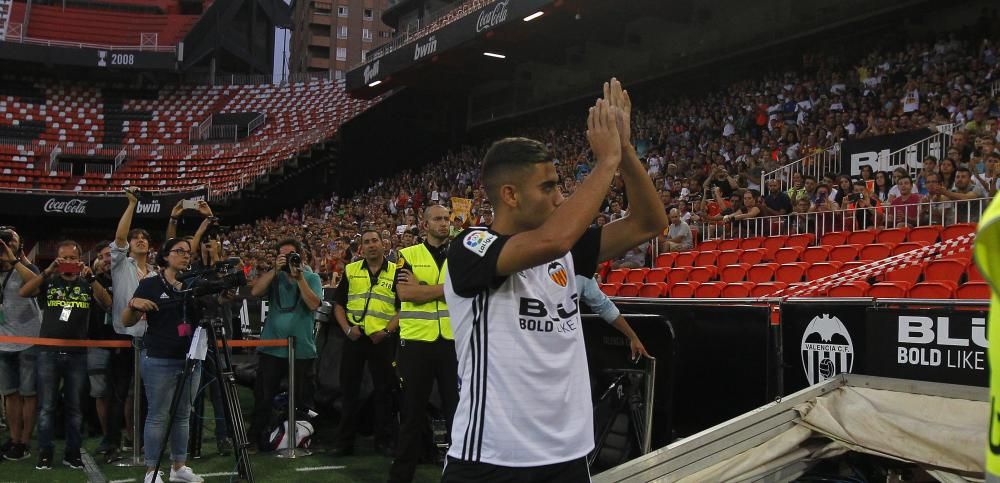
906, 206
19, 317
70, 289
844, 188
929, 166
776, 202
882, 187
947, 169
867, 173
165, 345
863, 208
745, 212
797, 190
963, 191
634, 258
677, 238
293, 292
801, 220
809, 184
721, 179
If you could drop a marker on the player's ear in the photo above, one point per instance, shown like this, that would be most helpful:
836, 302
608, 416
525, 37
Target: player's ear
509, 195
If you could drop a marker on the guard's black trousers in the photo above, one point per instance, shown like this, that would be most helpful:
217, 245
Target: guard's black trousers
379, 359
419, 364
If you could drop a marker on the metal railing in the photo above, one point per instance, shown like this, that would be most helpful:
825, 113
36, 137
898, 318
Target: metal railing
117, 192
256, 123
887, 216
415, 31
258, 79
120, 158
816, 164
6, 17
199, 132
912, 157
16, 33
54, 157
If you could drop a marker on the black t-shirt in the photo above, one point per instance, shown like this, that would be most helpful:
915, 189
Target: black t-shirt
779, 201
472, 273
340, 293
170, 328
66, 311
100, 327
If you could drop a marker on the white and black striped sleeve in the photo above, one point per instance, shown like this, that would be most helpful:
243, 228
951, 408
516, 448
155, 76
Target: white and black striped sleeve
472, 261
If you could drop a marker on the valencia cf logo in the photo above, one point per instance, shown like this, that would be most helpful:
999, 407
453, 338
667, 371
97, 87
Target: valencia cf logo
827, 349
558, 274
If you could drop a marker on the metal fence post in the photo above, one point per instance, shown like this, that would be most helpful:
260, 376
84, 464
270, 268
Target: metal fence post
136, 459
292, 451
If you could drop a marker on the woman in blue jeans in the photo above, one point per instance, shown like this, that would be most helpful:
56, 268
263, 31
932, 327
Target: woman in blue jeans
164, 350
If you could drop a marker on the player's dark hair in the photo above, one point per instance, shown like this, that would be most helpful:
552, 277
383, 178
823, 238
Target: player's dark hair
507, 160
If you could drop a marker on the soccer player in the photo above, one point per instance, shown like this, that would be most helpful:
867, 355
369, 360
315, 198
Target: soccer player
524, 411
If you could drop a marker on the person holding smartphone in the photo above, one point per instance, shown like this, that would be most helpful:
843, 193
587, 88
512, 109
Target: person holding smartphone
70, 288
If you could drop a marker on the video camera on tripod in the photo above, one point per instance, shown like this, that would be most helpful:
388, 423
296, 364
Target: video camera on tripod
224, 275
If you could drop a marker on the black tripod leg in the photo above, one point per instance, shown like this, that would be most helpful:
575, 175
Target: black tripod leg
174, 402
231, 403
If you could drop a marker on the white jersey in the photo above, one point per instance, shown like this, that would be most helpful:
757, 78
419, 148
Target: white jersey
524, 386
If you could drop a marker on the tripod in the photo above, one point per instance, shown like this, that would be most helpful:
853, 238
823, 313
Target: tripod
222, 357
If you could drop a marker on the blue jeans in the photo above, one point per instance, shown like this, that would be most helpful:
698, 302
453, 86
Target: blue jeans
71, 369
160, 378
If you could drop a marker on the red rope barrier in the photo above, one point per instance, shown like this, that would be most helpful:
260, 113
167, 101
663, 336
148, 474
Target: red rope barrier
123, 343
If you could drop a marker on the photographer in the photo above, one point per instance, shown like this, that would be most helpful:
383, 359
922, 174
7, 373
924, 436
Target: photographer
19, 317
164, 350
292, 291
129, 264
864, 208
69, 288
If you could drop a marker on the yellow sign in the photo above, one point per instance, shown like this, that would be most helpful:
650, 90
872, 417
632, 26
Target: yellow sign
461, 208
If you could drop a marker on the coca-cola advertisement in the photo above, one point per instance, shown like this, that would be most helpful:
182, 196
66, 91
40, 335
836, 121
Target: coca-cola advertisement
79, 205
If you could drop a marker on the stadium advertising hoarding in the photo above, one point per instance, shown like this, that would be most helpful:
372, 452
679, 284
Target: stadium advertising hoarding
79, 205
935, 345
89, 57
456, 33
874, 151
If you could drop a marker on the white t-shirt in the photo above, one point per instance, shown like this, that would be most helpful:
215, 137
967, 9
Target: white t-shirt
524, 387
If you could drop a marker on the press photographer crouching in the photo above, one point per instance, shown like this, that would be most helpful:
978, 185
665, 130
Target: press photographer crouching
169, 315
292, 291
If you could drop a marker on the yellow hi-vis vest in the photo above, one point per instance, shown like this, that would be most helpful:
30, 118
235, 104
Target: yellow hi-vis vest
368, 306
427, 321
987, 257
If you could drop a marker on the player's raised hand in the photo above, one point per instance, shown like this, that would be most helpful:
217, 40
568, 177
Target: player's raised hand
619, 98
602, 133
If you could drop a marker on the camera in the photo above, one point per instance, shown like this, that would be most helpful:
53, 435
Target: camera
854, 197
293, 259
222, 276
7, 234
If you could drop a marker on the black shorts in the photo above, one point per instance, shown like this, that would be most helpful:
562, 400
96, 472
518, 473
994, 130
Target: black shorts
573, 471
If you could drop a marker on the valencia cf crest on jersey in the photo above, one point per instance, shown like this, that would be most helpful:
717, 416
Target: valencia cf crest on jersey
557, 272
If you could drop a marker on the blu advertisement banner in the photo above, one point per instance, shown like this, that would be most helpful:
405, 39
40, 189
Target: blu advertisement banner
80, 205
925, 344
874, 151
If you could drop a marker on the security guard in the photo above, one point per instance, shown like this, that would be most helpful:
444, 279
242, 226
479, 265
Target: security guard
987, 259
426, 345
366, 306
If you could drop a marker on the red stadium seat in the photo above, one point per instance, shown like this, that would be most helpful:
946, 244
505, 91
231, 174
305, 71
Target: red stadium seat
678, 274
617, 276
957, 230
928, 234
737, 290
972, 274
791, 272
710, 290
834, 238
946, 270
933, 290
908, 246
684, 259
788, 254
636, 275
653, 290
973, 290
875, 251
731, 244
734, 273
709, 245
844, 253
801, 240
852, 265
684, 290
767, 288
905, 274
893, 236
849, 289
752, 243
862, 237
729, 257
610, 289
702, 274
822, 269
665, 260
657, 275
772, 244
753, 256
889, 290
629, 290
705, 258
818, 253
761, 272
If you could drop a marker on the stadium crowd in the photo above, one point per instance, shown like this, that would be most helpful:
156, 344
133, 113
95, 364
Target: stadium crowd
703, 155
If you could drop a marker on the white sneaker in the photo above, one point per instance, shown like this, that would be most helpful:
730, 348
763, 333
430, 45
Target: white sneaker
184, 475
149, 477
